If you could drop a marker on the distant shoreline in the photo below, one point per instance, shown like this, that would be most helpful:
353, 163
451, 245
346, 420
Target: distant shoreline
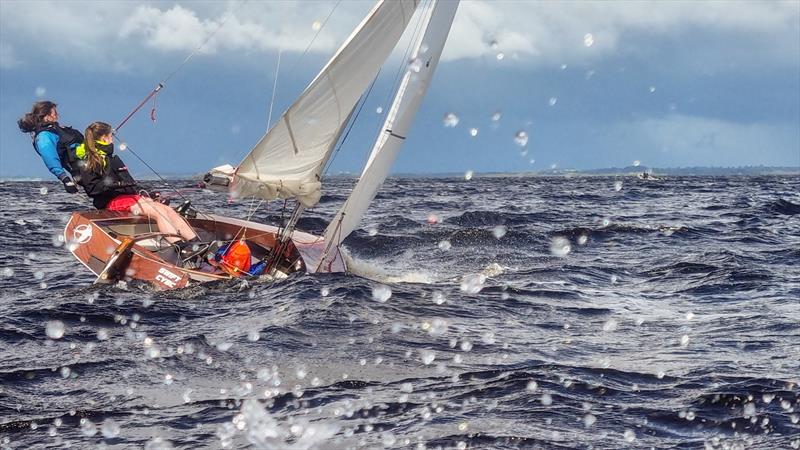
607, 172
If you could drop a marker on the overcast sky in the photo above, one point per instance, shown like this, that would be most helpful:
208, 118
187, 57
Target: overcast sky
592, 84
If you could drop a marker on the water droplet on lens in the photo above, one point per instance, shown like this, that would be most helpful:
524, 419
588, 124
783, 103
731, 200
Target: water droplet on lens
553, 101
618, 186
466, 346
40, 91
438, 298
110, 429
43, 190
253, 336
8, 272
521, 138
88, 428
381, 293
123, 146
428, 357
445, 245
65, 372
500, 56
629, 435
582, 239
588, 40
450, 120
55, 329
559, 246
610, 325
499, 231
415, 65
589, 420
749, 409
468, 175
685, 341
532, 386
158, 443
433, 219
379, 110
316, 25
102, 334
372, 231
473, 132
496, 116
689, 315
546, 399
636, 163
473, 283
224, 346
652, 89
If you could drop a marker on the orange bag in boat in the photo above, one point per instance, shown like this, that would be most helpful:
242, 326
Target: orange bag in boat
237, 258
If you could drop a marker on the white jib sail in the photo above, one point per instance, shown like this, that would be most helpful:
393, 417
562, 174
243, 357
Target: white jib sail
288, 160
409, 96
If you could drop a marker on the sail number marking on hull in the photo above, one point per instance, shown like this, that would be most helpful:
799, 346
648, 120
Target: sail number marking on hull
167, 278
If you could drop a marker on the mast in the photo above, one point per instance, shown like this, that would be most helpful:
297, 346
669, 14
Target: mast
425, 57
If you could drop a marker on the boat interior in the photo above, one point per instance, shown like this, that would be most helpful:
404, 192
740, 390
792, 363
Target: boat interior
215, 234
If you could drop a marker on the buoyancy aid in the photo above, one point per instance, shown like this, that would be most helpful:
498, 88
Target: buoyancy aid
68, 139
111, 180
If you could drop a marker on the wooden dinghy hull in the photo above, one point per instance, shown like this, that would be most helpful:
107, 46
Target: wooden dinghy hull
118, 246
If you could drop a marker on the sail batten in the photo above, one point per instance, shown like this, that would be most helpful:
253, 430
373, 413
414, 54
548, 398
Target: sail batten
287, 162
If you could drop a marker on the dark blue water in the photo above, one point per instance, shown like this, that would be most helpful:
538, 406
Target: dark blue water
536, 313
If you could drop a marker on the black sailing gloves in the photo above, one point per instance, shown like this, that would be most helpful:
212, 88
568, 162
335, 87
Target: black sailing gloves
69, 185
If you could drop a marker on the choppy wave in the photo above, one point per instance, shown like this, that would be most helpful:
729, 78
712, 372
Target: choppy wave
498, 313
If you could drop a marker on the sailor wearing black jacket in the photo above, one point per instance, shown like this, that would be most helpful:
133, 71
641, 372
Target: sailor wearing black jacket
110, 181
106, 180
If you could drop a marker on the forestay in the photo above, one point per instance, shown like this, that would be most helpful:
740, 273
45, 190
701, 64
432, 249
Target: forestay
410, 93
287, 162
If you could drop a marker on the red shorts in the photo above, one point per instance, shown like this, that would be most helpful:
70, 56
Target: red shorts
123, 202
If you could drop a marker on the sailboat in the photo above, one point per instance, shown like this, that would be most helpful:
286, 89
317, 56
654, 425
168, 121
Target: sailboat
286, 163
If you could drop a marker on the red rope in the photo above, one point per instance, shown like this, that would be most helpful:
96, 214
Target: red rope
135, 110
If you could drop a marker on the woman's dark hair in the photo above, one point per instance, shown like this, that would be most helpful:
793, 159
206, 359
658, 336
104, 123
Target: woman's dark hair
94, 161
31, 121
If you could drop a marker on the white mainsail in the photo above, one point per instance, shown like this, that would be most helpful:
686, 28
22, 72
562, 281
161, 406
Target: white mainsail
287, 162
410, 93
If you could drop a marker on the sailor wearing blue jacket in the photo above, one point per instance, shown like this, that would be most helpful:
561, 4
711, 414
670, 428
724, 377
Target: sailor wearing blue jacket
54, 144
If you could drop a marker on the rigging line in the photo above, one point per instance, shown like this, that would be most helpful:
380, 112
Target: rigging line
166, 183
163, 83
308, 47
405, 61
274, 89
208, 38
396, 83
351, 124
